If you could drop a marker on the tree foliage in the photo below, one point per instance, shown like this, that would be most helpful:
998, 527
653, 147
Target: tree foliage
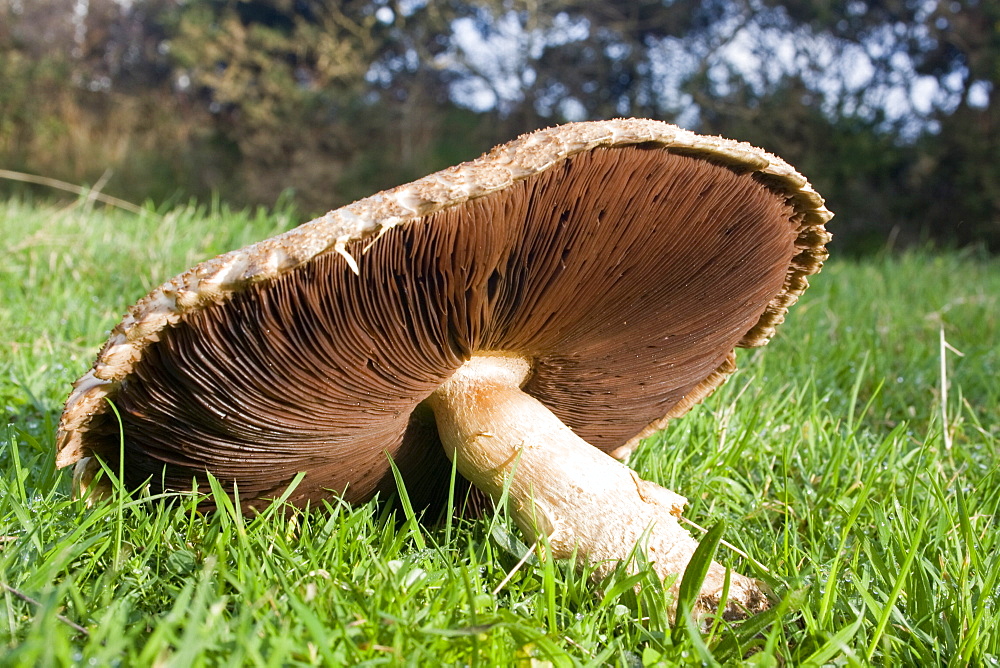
888, 105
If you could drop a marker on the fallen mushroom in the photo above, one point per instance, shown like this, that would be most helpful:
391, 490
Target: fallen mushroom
536, 312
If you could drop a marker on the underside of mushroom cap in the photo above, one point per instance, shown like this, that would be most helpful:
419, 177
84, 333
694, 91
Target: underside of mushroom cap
624, 260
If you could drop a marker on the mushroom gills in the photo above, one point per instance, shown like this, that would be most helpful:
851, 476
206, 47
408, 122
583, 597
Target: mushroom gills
599, 270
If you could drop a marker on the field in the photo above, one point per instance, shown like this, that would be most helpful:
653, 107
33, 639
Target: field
854, 459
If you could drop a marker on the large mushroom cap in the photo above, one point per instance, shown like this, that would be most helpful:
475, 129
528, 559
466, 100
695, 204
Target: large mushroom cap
625, 260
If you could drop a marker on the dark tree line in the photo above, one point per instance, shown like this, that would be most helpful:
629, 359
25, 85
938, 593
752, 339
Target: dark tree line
888, 106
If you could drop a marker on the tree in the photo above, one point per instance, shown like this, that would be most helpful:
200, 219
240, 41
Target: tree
888, 105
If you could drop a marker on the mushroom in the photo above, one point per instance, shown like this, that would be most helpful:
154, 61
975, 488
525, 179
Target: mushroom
531, 314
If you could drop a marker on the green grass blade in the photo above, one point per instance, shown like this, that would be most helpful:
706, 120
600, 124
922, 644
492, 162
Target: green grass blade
897, 587
694, 576
413, 527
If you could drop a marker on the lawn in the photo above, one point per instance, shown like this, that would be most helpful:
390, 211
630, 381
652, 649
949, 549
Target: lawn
854, 460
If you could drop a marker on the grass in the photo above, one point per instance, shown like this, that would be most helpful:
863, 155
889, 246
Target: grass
831, 457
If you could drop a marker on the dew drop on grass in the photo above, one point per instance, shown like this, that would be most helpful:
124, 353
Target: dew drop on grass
413, 577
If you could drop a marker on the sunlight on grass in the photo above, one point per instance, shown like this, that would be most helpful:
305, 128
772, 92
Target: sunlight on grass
829, 457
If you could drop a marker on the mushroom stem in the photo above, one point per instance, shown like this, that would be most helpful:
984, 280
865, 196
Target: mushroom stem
561, 487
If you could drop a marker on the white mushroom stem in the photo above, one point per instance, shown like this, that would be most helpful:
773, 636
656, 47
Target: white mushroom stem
561, 487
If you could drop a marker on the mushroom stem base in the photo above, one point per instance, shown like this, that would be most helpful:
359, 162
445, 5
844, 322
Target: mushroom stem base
559, 486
